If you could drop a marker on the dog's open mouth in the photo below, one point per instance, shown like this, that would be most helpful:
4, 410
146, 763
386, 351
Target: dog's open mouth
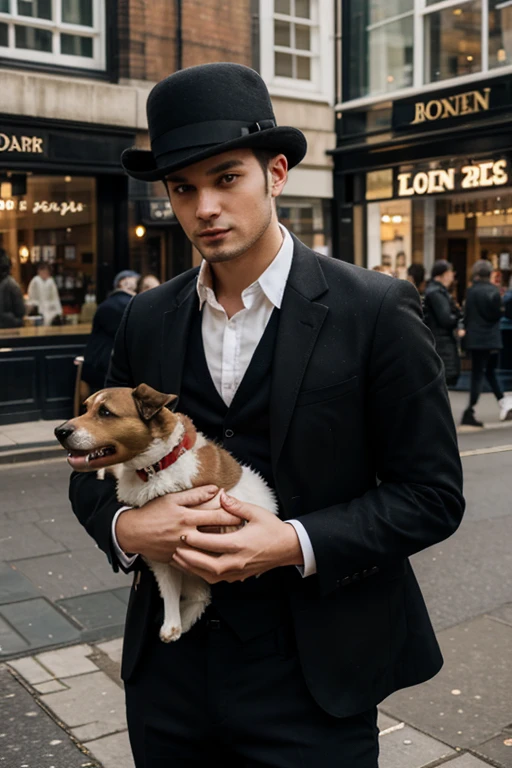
81, 460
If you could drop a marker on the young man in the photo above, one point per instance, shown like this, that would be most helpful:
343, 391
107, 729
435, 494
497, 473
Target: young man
323, 377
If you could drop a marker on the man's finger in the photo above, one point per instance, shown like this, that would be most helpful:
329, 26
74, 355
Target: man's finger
210, 564
213, 542
193, 496
217, 517
239, 508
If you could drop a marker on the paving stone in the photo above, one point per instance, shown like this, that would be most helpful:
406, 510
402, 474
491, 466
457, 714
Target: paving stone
112, 751
68, 662
470, 700
467, 761
67, 531
497, 749
60, 576
10, 640
97, 561
113, 649
100, 609
50, 687
39, 623
384, 722
123, 593
31, 670
408, 748
28, 736
21, 540
14, 586
503, 614
92, 700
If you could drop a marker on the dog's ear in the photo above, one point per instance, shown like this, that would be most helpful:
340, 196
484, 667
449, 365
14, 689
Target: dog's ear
149, 402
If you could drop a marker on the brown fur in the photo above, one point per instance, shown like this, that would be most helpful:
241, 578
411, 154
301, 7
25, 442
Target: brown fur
218, 467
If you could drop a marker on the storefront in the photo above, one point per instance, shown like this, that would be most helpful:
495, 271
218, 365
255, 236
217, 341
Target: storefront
427, 178
63, 207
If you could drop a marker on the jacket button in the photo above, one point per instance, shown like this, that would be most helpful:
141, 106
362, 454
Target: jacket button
229, 433
356, 577
346, 581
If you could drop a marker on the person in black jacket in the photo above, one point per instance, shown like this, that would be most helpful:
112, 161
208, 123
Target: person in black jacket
12, 306
324, 378
482, 315
442, 316
106, 321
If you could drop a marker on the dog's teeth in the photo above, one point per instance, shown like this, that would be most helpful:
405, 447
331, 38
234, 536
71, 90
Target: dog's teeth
88, 458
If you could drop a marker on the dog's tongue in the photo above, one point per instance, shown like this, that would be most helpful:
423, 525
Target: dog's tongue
78, 462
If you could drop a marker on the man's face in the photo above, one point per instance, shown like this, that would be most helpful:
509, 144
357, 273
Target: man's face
449, 277
128, 284
223, 203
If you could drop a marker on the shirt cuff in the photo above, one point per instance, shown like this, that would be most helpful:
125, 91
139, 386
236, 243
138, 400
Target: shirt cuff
124, 559
309, 567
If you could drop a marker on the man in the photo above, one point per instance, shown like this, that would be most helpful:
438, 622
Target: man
323, 377
416, 276
105, 323
43, 292
442, 315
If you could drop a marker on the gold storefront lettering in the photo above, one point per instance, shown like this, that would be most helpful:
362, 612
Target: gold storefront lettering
452, 106
30, 144
489, 173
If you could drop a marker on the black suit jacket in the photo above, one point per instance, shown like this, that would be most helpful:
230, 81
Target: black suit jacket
364, 453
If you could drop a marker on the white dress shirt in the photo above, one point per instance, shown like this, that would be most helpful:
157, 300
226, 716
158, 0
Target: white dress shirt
229, 344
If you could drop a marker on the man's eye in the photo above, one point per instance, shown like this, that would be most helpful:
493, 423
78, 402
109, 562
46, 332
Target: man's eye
182, 188
230, 177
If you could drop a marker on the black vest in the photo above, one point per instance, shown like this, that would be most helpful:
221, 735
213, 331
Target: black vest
257, 604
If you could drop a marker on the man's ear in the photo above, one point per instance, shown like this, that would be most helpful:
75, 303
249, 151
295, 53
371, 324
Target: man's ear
149, 402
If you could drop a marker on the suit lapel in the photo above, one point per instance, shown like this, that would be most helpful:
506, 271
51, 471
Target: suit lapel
300, 322
175, 330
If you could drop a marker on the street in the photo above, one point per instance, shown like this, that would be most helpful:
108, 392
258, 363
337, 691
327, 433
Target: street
58, 592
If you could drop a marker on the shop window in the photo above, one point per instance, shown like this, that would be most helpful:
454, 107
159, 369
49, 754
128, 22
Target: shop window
66, 32
453, 41
50, 222
389, 236
296, 46
500, 33
308, 219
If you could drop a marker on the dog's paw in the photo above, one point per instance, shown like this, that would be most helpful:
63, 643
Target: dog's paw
168, 633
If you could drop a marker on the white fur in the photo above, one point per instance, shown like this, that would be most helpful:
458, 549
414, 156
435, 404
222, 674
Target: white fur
185, 596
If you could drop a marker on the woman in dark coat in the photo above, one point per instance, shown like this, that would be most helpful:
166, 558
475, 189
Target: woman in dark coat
442, 316
482, 314
12, 306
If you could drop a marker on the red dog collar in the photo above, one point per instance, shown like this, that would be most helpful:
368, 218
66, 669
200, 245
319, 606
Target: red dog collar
171, 457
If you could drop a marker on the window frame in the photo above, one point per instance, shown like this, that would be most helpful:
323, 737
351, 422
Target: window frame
421, 11
98, 33
321, 85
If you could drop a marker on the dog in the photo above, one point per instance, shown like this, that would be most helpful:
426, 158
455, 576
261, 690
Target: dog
153, 450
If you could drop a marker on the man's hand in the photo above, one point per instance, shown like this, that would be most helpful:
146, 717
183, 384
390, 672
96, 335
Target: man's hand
264, 542
155, 530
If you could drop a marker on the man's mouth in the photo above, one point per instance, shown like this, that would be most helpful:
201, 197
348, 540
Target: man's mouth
84, 460
212, 235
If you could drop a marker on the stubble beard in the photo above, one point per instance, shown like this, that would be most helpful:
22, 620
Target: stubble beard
224, 254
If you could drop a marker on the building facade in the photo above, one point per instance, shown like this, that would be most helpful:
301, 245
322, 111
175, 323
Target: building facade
422, 160
75, 79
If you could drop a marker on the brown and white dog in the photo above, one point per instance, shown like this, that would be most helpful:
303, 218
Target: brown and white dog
153, 451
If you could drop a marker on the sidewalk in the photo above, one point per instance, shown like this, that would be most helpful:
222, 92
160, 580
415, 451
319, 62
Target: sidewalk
75, 700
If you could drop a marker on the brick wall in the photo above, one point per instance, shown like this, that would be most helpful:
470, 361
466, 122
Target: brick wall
212, 30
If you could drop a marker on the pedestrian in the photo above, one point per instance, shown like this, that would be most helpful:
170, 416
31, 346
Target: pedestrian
12, 306
43, 292
383, 269
146, 282
442, 315
321, 376
106, 321
482, 315
416, 276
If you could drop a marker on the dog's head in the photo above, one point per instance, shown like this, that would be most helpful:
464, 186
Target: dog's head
119, 424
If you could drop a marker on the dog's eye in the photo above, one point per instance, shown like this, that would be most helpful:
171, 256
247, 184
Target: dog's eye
104, 411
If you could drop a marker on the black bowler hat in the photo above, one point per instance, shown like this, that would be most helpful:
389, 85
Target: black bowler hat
202, 111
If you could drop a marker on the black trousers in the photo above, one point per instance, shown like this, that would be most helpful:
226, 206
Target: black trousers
483, 363
209, 699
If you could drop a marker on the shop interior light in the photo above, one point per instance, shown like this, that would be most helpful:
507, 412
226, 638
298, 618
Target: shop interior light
469, 58
470, 215
68, 178
501, 55
497, 212
457, 11
140, 231
390, 79
386, 218
6, 190
396, 219
23, 253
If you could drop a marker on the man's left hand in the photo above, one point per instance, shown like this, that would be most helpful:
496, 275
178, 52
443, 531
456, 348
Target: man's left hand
263, 543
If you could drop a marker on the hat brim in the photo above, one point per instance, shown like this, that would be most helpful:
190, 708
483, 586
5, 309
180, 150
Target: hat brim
141, 164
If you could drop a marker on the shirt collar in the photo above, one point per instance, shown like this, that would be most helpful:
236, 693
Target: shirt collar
272, 281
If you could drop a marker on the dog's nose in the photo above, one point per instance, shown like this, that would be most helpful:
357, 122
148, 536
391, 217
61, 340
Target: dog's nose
63, 432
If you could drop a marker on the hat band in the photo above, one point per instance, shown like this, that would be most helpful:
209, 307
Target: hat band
206, 133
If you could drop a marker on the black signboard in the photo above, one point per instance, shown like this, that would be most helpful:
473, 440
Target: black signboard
438, 109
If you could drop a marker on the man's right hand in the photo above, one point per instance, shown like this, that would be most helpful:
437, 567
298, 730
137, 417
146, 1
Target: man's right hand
155, 529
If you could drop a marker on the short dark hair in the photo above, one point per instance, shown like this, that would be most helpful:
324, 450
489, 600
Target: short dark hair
417, 273
440, 267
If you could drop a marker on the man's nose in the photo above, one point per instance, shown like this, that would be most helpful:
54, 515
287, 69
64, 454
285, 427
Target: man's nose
207, 205
63, 432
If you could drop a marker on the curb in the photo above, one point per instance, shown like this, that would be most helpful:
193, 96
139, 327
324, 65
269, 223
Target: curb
34, 453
